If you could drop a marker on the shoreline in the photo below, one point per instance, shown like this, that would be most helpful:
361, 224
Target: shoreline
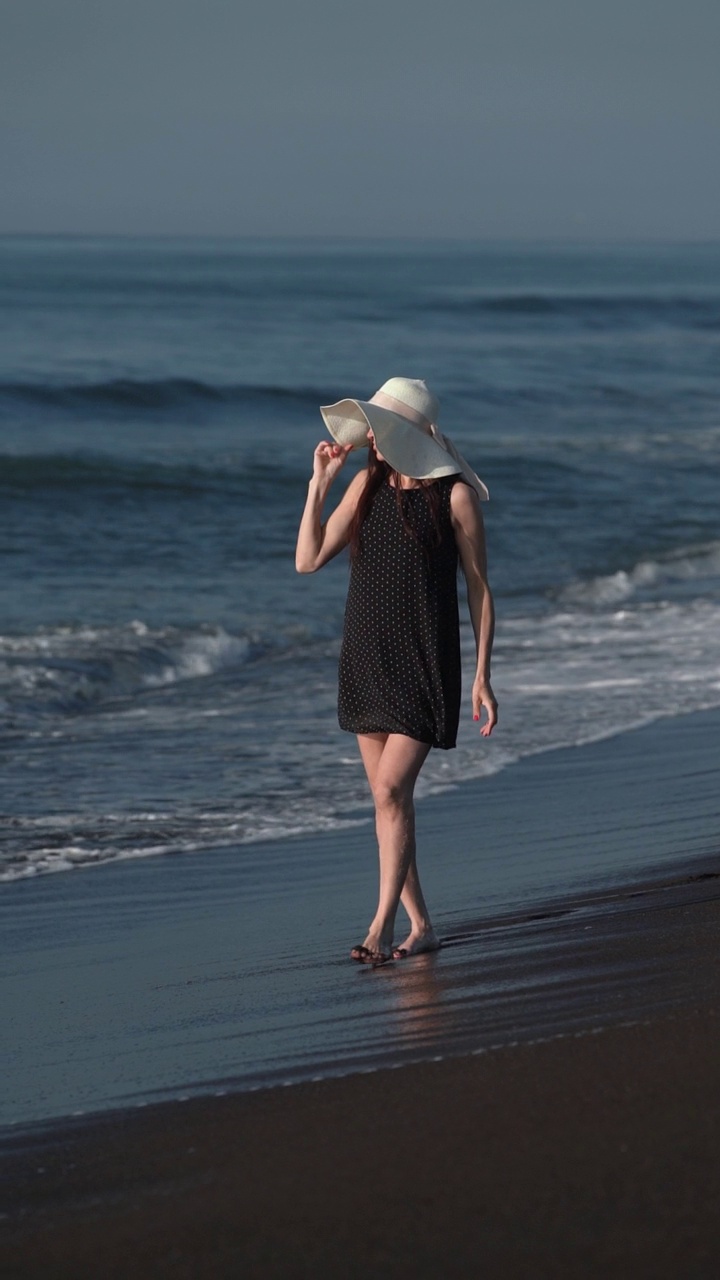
638, 963
587, 1153
173, 976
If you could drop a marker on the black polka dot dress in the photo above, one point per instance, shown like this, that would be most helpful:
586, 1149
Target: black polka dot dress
400, 656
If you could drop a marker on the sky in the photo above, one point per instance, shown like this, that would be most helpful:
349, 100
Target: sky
513, 119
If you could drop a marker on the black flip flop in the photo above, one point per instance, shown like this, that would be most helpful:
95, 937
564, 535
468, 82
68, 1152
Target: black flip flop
364, 955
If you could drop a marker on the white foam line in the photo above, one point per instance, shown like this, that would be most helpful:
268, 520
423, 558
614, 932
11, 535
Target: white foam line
445, 1057
377, 1069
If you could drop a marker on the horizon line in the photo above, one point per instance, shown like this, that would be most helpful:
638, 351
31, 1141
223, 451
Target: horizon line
315, 238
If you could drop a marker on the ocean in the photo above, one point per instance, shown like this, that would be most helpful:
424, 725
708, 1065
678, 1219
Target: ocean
167, 681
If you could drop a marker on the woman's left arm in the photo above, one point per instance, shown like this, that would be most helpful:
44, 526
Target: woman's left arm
467, 523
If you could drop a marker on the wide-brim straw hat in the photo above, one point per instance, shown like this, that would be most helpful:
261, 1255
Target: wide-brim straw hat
403, 418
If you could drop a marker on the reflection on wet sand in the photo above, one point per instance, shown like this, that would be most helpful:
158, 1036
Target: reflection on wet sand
548, 972
420, 990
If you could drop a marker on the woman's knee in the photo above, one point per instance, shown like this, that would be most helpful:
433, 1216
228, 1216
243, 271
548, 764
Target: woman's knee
392, 796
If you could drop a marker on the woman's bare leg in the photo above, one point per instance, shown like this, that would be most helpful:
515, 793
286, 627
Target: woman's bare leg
422, 936
392, 763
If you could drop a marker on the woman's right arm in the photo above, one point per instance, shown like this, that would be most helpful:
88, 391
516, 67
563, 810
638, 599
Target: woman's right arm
317, 542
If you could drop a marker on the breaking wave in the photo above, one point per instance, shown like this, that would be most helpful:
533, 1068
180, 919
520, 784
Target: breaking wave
70, 670
682, 564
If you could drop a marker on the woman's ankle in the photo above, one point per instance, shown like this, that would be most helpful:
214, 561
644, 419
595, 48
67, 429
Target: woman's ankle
419, 927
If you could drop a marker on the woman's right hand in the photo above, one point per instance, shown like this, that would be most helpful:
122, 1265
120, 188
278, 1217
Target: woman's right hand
328, 459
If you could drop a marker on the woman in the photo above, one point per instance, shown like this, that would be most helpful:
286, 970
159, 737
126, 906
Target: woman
407, 517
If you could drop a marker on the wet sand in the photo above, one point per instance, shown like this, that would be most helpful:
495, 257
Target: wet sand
592, 1153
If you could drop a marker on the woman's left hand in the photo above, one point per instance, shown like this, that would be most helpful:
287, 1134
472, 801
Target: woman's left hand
483, 696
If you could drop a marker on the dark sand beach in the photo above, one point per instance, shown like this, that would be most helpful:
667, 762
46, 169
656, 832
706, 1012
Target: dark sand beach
593, 1155
556, 1111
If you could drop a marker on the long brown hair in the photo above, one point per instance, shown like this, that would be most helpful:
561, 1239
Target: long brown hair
378, 472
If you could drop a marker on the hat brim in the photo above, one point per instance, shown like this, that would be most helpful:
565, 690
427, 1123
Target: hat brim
407, 448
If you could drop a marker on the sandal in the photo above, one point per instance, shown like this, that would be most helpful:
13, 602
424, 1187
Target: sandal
364, 955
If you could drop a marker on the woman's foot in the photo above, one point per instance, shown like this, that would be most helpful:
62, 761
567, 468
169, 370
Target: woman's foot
376, 949
364, 955
417, 943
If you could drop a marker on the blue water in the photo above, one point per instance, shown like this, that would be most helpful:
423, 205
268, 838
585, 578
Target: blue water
167, 682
